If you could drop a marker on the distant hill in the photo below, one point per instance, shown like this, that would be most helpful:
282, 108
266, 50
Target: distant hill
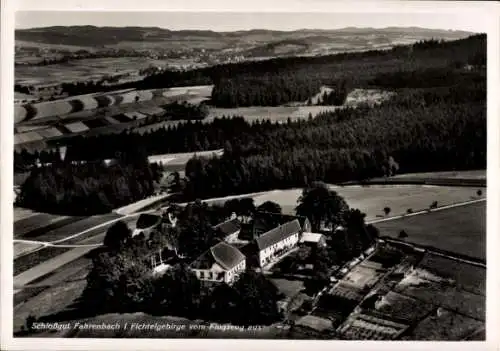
257, 42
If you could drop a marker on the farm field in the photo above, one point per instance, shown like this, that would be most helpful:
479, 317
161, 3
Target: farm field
81, 225
33, 259
476, 174
22, 213
140, 205
460, 229
372, 199
83, 69
21, 248
38, 222
49, 301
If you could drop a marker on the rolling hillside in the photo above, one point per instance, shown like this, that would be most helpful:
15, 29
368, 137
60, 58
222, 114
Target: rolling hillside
253, 43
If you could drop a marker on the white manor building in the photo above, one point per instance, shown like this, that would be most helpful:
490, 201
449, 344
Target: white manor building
221, 263
278, 241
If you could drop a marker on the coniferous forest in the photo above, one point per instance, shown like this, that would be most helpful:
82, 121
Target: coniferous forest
436, 121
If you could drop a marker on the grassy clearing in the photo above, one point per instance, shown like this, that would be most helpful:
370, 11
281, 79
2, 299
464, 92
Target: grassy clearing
182, 158
460, 229
278, 113
477, 174
373, 198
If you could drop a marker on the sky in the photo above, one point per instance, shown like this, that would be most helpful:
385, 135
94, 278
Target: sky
231, 21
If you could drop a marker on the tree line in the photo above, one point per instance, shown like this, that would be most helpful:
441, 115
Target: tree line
88, 188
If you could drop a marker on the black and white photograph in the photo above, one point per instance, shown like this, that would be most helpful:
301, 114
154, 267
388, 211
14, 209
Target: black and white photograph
249, 175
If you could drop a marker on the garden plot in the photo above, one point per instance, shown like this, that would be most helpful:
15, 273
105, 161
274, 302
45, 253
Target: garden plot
400, 307
445, 325
428, 288
467, 276
361, 277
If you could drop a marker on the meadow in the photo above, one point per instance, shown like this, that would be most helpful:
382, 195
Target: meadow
275, 114
372, 199
460, 229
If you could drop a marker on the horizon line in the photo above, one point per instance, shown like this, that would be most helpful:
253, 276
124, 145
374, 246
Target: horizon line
250, 30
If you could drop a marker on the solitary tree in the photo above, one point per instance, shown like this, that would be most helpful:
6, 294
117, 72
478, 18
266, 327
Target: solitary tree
387, 210
434, 204
117, 236
479, 192
321, 205
409, 211
403, 234
270, 206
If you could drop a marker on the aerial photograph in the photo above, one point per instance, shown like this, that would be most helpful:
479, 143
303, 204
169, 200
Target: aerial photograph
315, 176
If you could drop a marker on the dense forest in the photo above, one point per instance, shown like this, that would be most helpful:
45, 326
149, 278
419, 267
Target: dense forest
357, 67
267, 90
435, 121
88, 188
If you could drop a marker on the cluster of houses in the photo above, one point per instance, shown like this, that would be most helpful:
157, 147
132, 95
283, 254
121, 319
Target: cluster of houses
255, 242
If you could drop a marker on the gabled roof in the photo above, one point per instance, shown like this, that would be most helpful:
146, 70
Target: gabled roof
311, 237
278, 234
225, 255
228, 227
265, 221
